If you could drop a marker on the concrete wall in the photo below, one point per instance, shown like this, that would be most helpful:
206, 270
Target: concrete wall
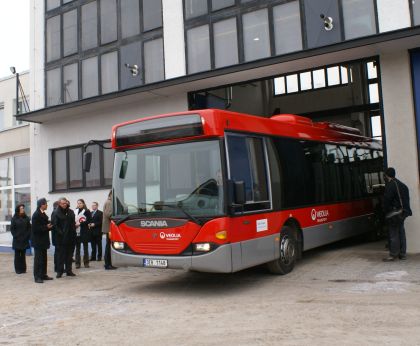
401, 134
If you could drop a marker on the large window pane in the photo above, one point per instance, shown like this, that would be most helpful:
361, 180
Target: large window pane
108, 166
53, 87
359, 18
108, 21
5, 173
75, 167
70, 32
225, 43
22, 173
287, 28
53, 38
256, 36
131, 55
130, 18
60, 170
51, 4
198, 49
71, 83
218, 4
152, 14
416, 12
23, 196
153, 61
6, 207
109, 72
90, 77
93, 177
195, 8
89, 26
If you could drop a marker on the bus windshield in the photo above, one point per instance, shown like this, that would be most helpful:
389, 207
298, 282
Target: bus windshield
177, 180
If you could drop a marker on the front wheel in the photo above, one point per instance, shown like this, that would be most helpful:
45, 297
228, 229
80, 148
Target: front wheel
288, 252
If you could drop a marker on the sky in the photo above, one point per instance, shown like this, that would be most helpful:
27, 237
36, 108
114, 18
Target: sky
14, 36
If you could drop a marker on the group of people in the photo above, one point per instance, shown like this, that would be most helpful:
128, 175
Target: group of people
70, 231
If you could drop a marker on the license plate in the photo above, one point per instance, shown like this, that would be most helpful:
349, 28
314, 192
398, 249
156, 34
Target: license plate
155, 263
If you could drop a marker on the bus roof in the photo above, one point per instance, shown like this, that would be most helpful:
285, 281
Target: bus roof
209, 123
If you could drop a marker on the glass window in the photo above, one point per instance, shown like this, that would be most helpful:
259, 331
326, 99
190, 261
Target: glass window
75, 167
153, 61
93, 177
23, 196
22, 172
292, 83
152, 14
225, 43
109, 72
195, 8
51, 4
373, 93
131, 55
53, 38
53, 87
333, 74
108, 166
90, 77
372, 70
198, 49
344, 75
218, 4
305, 81
5, 172
6, 205
71, 83
60, 169
130, 18
416, 11
2, 122
319, 78
256, 36
279, 86
375, 123
70, 32
359, 18
287, 27
108, 21
89, 26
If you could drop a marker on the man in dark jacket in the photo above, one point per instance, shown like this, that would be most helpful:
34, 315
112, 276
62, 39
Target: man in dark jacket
96, 232
396, 196
41, 228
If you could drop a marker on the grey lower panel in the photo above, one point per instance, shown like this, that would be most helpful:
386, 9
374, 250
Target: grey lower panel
333, 231
217, 261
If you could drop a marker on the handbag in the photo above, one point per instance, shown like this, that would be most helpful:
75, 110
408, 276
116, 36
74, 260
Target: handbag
396, 213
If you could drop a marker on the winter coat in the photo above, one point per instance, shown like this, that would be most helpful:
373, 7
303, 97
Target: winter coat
64, 226
40, 235
106, 220
21, 231
392, 199
84, 229
97, 217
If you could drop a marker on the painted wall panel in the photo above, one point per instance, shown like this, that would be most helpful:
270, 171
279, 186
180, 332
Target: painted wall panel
393, 14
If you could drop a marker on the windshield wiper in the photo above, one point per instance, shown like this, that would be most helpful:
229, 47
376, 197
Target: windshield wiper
129, 217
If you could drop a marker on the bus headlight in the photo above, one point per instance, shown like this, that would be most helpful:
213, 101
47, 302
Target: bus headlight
202, 247
118, 245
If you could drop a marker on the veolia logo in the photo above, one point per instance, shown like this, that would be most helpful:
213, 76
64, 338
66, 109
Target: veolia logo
153, 223
320, 215
313, 214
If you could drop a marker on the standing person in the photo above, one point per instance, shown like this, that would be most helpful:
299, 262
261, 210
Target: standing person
21, 231
106, 222
396, 197
82, 218
40, 235
55, 205
64, 224
96, 232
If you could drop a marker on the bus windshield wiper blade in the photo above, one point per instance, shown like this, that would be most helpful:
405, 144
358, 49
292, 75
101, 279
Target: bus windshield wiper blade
174, 206
129, 217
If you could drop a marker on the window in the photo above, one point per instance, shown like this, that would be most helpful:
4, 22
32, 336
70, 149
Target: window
109, 72
287, 27
416, 12
256, 35
198, 49
90, 77
153, 61
218, 4
5, 172
53, 38
54, 87
130, 54
2, 120
195, 8
89, 26
359, 18
70, 83
51, 4
225, 43
22, 170
152, 14
70, 32
67, 170
108, 21
130, 18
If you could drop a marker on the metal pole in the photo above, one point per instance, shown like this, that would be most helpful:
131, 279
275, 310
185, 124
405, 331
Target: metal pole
17, 93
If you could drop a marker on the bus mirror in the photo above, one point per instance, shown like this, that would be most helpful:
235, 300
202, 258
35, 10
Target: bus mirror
87, 161
239, 192
123, 169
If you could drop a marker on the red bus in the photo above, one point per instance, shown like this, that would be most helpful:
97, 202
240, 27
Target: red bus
218, 191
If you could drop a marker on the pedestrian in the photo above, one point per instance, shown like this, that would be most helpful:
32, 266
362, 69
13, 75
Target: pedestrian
65, 227
396, 209
55, 205
96, 233
40, 237
106, 222
20, 228
83, 219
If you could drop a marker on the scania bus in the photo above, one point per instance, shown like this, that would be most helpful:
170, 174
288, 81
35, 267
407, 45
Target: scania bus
217, 191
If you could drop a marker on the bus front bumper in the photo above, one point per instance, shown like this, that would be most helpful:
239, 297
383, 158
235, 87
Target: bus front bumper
216, 261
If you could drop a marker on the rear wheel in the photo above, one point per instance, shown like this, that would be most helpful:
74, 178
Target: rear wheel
288, 252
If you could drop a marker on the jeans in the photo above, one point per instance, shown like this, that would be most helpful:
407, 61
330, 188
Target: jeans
397, 241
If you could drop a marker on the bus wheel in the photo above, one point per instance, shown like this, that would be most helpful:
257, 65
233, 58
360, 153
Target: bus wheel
288, 252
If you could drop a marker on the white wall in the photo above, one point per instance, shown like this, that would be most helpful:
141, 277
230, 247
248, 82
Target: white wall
400, 133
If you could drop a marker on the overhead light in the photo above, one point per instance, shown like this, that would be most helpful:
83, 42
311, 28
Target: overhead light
256, 39
13, 69
134, 69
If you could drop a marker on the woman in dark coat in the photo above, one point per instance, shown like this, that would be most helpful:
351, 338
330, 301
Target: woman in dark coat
21, 232
83, 219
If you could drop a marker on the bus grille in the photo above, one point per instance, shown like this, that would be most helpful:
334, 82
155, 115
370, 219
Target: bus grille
158, 248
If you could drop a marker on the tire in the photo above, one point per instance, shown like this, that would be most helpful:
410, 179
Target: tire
288, 252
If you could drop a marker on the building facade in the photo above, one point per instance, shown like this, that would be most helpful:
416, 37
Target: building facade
96, 63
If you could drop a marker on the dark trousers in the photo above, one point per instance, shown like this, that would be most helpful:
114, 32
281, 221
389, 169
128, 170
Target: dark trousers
85, 251
397, 241
96, 244
64, 258
107, 257
20, 261
40, 263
